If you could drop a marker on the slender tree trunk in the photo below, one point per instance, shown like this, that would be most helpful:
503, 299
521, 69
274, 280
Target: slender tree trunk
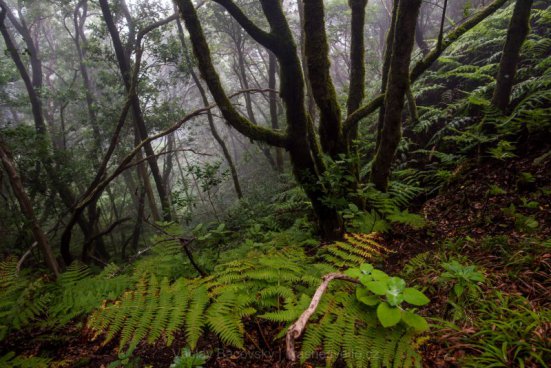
244, 80
212, 126
398, 84
27, 209
420, 38
386, 69
517, 33
34, 86
272, 71
123, 59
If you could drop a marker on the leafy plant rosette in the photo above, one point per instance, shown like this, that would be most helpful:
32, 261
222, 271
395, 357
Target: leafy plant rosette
465, 277
388, 295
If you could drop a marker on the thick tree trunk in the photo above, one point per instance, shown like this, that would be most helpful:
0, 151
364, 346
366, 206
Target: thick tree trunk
356, 91
296, 140
323, 89
398, 83
27, 209
517, 33
386, 69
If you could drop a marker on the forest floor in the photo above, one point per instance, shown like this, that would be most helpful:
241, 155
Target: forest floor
471, 220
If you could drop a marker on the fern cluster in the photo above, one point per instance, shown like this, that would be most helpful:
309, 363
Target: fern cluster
275, 286
10, 360
25, 299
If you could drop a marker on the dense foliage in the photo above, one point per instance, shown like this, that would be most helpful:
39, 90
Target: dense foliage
193, 245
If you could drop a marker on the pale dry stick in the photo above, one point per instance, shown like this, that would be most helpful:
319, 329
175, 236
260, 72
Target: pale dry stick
297, 328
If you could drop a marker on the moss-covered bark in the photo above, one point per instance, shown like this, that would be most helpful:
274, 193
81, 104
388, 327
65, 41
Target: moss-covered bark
517, 33
356, 91
323, 89
398, 83
297, 139
423, 65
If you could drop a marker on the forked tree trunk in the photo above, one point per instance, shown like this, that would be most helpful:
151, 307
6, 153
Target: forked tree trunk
517, 33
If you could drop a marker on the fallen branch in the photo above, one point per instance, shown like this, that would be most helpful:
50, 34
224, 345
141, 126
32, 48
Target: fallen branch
297, 328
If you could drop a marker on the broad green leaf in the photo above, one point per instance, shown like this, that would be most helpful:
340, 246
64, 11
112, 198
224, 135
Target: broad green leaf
415, 297
377, 287
388, 316
366, 268
364, 296
396, 284
353, 272
414, 320
364, 279
379, 275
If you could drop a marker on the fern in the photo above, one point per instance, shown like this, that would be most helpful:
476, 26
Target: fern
345, 328
22, 300
355, 250
10, 360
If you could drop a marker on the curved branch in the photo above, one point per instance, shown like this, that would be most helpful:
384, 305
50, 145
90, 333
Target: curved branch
297, 328
211, 77
262, 37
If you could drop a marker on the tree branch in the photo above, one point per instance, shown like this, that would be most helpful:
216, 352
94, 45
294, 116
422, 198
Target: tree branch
211, 77
262, 37
297, 328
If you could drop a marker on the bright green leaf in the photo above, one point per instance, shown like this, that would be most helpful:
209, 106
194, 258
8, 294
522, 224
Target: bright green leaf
377, 287
388, 316
416, 321
415, 297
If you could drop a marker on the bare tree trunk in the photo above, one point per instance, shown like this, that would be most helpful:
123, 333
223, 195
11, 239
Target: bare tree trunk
272, 72
27, 209
517, 33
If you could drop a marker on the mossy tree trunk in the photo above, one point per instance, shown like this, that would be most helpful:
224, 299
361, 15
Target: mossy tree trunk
301, 138
517, 33
397, 86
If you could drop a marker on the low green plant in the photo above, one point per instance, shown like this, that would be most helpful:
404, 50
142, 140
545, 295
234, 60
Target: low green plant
510, 333
11, 360
523, 223
187, 359
125, 359
387, 294
464, 278
504, 150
